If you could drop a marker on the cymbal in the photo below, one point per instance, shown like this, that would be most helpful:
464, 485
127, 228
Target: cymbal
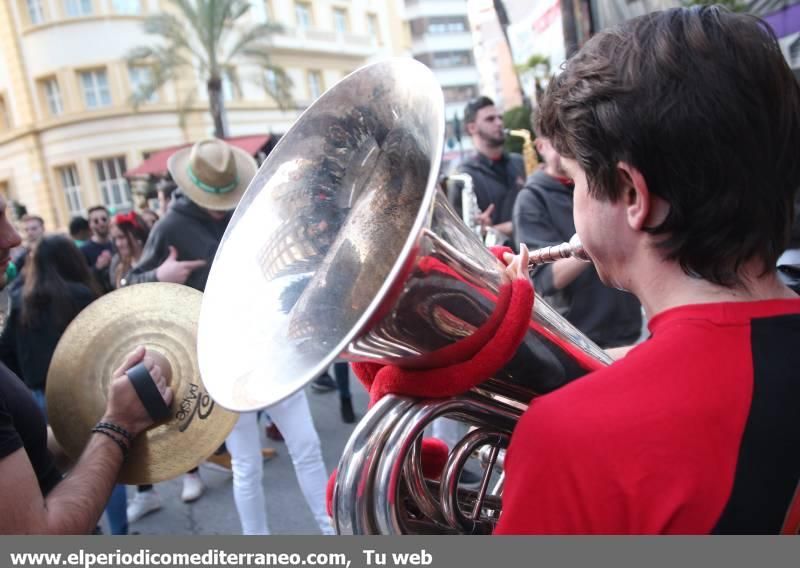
163, 317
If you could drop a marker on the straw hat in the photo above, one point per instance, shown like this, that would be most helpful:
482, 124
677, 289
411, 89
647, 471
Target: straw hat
212, 173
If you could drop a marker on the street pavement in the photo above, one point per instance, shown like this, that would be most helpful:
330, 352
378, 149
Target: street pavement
215, 512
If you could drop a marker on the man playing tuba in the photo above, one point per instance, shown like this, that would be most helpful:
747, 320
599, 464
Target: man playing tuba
695, 430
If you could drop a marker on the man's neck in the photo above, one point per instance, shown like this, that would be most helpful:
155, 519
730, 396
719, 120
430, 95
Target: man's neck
668, 286
491, 152
554, 172
100, 240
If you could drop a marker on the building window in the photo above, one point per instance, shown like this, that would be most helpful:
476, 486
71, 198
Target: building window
141, 78
373, 29
75, 8
35, 12
95, 88
439, 25
271, 81
444, 59
459, 94
71, 184
446, 25
113, 186
340, 21
127, 6
52, 95
314, 84
302, 13
230, 85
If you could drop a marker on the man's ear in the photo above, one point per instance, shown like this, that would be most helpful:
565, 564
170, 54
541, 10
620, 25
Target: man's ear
470, 126
634, 195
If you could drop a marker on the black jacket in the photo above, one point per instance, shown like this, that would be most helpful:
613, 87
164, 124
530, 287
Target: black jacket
27, 350
191, 231
495, 182
543, 217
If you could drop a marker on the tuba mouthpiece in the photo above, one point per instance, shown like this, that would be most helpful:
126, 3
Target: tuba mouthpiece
546, 255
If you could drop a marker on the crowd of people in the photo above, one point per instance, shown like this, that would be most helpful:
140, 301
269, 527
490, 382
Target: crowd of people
677, 168
52, 277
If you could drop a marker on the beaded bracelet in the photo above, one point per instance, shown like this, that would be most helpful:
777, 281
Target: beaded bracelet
119, 442
114, 428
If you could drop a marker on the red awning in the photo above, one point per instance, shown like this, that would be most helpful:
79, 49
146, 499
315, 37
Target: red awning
156, 164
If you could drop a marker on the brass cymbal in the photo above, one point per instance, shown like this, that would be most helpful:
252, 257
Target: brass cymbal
163, 317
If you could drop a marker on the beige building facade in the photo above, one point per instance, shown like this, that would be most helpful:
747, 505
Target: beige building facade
68, 132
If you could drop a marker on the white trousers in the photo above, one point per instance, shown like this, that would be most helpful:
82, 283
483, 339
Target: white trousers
449, 431
293, 418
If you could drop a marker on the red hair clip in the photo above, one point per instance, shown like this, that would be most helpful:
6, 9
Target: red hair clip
129, 217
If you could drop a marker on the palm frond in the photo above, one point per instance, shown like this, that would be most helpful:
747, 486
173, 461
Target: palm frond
164, 65
172, 31
260, 33
226, 14
280, 88
195, 36
189, 13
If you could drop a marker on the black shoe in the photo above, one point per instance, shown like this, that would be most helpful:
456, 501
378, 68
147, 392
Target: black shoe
346, 406
469, 478
323, 383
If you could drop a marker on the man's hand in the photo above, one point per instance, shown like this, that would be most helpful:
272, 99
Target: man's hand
124, 407
517, 264
177, 271
484, 218
103, 260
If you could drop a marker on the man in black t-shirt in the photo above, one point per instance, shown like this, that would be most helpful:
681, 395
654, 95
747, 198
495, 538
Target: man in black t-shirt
98, 250
34, 499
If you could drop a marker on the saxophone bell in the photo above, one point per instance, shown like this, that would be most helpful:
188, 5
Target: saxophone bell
528, 152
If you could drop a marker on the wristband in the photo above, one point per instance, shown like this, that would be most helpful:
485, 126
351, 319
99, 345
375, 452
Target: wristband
119, 442
114, 428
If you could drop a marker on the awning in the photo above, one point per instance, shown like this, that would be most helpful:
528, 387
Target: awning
156, 163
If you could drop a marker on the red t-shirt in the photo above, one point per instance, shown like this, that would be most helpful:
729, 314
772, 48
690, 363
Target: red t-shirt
694, 431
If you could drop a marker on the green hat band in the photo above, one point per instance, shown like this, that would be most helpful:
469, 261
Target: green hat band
211, 188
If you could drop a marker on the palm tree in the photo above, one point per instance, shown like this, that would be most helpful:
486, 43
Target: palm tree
204, 35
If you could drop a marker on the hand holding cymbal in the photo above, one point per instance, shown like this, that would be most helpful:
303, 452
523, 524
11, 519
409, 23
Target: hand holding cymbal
85, 378
125, 406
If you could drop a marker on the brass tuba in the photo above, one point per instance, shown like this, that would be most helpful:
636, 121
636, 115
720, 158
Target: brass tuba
342, 246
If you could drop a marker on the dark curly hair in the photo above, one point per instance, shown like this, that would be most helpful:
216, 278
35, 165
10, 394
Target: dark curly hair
701, 101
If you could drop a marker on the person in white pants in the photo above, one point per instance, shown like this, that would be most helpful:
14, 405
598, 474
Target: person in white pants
293, 418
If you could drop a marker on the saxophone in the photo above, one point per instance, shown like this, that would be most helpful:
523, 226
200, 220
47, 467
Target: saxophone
528, 153
470, 211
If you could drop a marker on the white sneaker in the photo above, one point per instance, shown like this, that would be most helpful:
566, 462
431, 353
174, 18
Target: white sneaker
144, 503
193, 487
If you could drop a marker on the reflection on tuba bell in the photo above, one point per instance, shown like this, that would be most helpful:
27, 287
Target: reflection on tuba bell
343, 247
